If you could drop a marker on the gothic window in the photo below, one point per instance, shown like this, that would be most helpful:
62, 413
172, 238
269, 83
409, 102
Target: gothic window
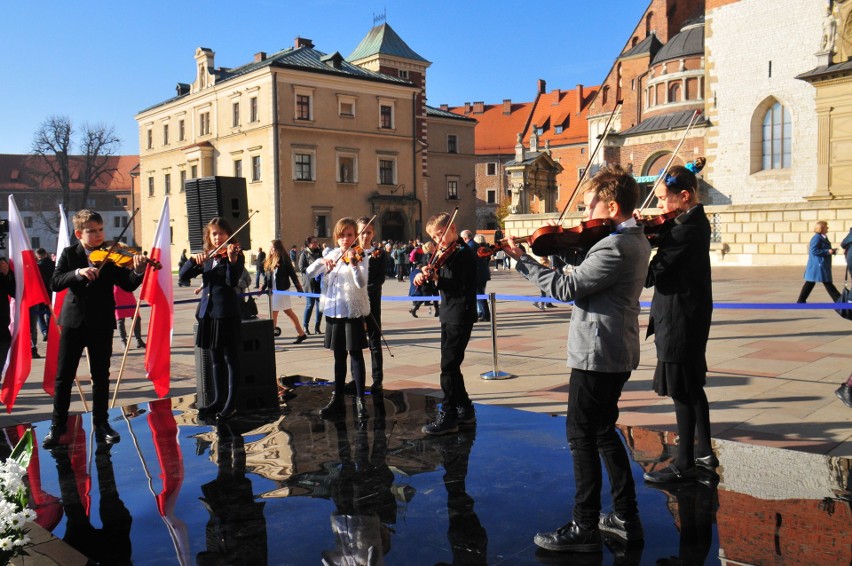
776, 137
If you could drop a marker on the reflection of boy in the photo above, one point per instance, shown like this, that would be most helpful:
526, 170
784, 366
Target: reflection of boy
88, 321
603, 349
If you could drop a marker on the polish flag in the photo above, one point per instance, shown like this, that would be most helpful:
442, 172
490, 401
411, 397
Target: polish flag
29, 292
52, 355
158, 291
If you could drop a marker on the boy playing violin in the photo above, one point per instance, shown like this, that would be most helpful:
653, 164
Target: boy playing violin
88, 321
603, 350
456, 282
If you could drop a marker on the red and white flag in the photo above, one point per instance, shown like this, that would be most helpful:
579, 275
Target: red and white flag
52, 356
29, 292
158, 291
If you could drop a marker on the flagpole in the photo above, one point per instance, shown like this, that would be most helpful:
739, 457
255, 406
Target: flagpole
126, 349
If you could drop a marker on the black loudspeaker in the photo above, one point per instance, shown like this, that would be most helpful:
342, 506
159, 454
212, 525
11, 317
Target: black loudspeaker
208, 197
256, 387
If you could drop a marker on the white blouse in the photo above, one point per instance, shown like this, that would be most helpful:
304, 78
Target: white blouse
344, 289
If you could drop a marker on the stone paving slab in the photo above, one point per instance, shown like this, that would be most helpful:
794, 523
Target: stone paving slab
771, 381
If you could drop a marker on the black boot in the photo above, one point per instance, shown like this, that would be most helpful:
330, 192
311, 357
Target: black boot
361, 408
51, 440
334, 408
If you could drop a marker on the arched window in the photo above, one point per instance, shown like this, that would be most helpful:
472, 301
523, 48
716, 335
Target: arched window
649, 23
604, 95
776, 138
634, 41
674, 92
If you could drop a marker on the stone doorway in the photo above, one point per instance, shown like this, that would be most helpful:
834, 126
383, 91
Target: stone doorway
392, 227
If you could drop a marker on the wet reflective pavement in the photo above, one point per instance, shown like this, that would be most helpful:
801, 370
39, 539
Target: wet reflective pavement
290, 488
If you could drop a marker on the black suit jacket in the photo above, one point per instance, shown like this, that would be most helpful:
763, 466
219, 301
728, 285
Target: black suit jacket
92, 305
683, 297
219, 290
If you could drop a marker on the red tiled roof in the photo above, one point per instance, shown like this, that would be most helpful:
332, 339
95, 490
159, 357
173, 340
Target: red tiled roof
496, 132
559, 108
27, 172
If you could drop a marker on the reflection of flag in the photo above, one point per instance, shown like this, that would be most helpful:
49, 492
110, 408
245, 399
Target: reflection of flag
158, 291
164, 430
47, 506
52, 355
29, 292
75, 439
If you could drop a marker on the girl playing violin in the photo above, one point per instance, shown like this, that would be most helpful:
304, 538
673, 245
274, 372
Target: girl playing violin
218, 313
455, 278
345, 303
680, 319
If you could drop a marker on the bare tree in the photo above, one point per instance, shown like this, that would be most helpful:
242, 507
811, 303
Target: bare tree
53, 158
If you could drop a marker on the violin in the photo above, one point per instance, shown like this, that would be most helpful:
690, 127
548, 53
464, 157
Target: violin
556, 240
655, 226
356, 257
120, 256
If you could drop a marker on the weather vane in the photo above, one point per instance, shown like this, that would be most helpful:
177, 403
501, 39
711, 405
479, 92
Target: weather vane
382, 17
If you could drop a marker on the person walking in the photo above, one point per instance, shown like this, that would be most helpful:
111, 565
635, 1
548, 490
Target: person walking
280, 272
312, 285
259, 260
818, 269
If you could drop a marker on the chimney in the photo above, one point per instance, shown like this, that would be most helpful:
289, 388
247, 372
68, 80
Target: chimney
303, 42
507, 106
260, 56
579, 98
445, 107
467, 107
542, 86
478, 107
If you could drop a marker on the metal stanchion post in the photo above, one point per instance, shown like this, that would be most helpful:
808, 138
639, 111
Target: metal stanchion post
495, 373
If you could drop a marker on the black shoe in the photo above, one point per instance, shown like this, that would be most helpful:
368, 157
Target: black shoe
140, 344
361, 408
377, 386
710, 462
350, 388
334, 408
669, 474
35, 354
51, 439
465, 415
437, 312
628, 528
445, 423
844, 393
124, 342
570, 538
44, 337
300, 339
413, 312
317, 330
105, 433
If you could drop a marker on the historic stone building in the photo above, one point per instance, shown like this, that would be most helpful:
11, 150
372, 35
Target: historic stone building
317, 137
38, 195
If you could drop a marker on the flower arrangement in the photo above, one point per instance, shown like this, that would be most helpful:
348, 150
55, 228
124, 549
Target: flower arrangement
14, 514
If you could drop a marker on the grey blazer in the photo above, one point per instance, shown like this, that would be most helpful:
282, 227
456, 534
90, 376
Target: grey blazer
604, 331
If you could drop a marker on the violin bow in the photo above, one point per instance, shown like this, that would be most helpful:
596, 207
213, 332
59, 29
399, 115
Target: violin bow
440, 250
594, 154
692, 121
231, 237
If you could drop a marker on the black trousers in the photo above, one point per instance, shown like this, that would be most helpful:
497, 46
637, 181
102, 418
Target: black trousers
809, 286
374, 337
72, 341
590, 426
454, 339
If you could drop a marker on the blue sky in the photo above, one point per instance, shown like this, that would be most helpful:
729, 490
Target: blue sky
102, 62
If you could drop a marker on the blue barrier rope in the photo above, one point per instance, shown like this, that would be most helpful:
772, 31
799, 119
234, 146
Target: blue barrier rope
529, 299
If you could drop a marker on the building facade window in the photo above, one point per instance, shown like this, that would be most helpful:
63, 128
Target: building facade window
674, 92
321, 227
150, 186
347, 168
28, 221
386, 116
403, 74
235, 114
204, 123
387, 171
167, 183
558, 129
182, 180
150, 139
303, 166
491, 196
346, 106
253, 109
303, 107
452, 143
120, 201
35, 242
491, 169
165, 134
181, 130
255, 168
238, 168
453, 189
194, 171
777, 137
